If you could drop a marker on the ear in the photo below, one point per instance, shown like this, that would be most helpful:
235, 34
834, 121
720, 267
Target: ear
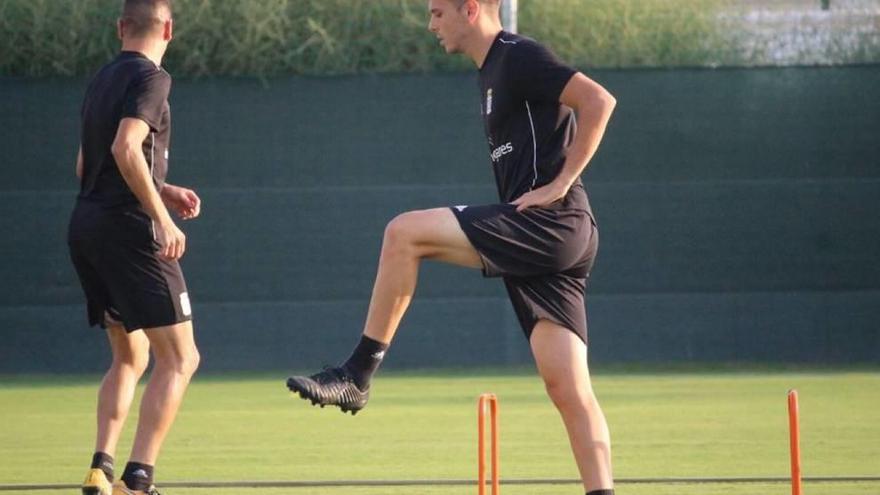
473, 10
168, 30
120, 28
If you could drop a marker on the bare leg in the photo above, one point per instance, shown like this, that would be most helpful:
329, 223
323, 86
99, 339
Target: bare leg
561, 358
409, 238
131, 354
176, 360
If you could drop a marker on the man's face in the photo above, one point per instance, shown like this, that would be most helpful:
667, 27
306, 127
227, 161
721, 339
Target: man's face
449, 21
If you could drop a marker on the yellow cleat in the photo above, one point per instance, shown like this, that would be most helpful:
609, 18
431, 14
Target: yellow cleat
96, 483
119, 488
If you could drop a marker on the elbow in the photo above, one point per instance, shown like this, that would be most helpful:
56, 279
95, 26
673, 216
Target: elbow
118, 149
606, 101
121, 151
598, 104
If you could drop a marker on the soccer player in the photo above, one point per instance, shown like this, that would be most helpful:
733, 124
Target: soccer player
543, 121
125, 246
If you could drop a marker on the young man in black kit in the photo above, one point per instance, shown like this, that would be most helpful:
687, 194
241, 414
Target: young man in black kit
125, 246
544, 121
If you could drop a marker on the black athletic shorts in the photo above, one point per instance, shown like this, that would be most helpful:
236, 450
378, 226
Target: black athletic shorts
543, 254
115, 255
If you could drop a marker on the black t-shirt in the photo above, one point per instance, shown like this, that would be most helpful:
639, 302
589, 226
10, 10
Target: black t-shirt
129, 86
527, 127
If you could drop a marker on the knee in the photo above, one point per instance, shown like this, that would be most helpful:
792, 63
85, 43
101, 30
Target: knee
190, 362
183, 363
134, 363
567, 397
398, 238
140, 363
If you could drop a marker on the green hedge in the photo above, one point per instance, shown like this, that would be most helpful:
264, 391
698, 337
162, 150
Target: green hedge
275, 37
626, 33
233, 37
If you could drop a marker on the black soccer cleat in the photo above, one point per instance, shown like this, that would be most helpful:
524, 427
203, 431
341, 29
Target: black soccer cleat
331, 387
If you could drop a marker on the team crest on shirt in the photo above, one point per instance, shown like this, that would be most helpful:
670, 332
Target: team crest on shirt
489, 101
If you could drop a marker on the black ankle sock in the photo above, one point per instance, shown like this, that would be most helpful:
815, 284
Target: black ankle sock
601, 492
138, 476
365, 360
103, 462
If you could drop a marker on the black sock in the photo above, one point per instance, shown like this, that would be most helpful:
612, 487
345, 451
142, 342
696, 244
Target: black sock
601, 492
103, 462
365, 360
138, 476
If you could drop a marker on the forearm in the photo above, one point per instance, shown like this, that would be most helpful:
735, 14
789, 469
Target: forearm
165, 191
134, 170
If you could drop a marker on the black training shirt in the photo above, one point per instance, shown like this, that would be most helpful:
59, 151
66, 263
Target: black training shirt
129, 86
527, 127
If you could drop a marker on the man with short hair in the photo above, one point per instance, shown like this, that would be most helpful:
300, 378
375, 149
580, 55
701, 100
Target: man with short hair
125, 246
544, 121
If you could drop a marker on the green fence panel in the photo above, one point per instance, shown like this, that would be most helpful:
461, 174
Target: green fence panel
737, 209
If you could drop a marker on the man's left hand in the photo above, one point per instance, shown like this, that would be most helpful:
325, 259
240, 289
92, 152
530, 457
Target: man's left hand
185, 202
541, 196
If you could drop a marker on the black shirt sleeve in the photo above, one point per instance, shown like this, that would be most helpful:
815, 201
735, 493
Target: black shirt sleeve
537, 73
146, 97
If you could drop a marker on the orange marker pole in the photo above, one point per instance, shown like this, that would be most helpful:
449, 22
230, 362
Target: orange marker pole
496, 468
487, 403
795, 444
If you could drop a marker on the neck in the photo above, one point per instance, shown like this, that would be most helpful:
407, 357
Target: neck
483, 43
151, 49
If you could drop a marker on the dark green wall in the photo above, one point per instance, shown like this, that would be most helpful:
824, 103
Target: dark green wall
739, 216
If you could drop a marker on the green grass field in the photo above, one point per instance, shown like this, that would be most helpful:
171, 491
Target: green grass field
423, 426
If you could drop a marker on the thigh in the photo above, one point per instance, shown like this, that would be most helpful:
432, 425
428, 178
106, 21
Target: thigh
437, 235
531, 243
172, 343
127, 347
97, 294
147, 290
560, 355
557, 298
127, 278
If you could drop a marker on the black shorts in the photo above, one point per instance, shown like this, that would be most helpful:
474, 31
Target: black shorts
115, 255
543, 254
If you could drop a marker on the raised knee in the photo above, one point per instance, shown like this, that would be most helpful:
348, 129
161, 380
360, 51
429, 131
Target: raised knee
398, 232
